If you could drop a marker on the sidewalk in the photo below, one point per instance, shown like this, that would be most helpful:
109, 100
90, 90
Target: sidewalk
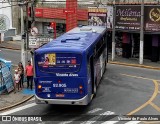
134, 62
10, 100
15, 45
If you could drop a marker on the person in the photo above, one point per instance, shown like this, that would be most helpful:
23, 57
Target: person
16, 80
29, 75
21, 72
46, 61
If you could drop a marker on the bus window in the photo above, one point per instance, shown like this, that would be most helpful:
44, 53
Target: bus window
59, 62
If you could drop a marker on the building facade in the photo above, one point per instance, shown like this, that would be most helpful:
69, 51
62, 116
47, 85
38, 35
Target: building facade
127, 28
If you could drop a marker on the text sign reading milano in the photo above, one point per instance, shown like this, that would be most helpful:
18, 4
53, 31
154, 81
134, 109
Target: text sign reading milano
128, 17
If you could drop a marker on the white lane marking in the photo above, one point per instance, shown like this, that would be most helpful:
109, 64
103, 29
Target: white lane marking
89, 112
66, 122
109, 122
94, 110
108, 113
93, 120
41, 123
133, 122
18, 109
88, 122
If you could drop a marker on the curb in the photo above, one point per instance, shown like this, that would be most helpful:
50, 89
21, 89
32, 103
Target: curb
9, 48
134, 65
16, 104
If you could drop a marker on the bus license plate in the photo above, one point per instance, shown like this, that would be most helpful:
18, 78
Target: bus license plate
59, 95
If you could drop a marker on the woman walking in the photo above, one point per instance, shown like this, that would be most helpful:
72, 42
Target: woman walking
21, 72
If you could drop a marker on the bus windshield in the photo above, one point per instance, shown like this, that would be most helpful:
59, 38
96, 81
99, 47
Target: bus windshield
59, 62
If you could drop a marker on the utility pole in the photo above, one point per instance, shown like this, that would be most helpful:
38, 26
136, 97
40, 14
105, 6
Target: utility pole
32, 25
27, 36
141, 34
22, 40
113, 34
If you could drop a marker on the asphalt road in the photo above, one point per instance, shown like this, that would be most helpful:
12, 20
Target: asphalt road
123, 91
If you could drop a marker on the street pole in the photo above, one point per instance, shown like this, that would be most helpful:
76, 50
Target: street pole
32, 25
27, 36
113, 34
141, 34
22, 40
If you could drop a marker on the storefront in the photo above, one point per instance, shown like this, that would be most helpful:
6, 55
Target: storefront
127, 24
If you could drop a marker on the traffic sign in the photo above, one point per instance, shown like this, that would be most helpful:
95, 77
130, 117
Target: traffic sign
33, 42
34, 31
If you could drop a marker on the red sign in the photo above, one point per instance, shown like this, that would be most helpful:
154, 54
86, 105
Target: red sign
58, 13
69, 11
38, 12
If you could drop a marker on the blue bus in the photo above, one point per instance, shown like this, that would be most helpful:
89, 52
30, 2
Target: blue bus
68, 69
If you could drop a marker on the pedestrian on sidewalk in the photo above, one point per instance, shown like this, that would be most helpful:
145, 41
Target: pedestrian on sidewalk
29, 74
21, 72
16, 80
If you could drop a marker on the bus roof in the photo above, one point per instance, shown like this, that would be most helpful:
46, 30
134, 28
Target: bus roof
77, 39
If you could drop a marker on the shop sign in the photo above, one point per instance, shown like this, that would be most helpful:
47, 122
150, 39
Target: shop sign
152, 18
97, 16
109, 17
128, 17
38, 12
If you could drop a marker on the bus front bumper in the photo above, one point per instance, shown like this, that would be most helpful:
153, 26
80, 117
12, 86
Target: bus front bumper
83, 101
